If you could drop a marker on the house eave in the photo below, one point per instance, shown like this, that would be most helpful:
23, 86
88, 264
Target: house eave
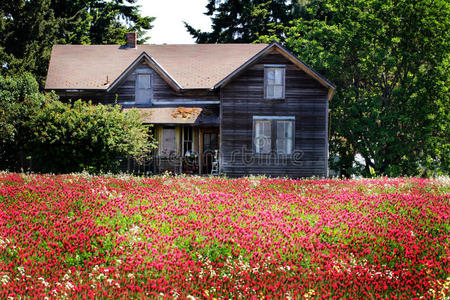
154, 64
322, 80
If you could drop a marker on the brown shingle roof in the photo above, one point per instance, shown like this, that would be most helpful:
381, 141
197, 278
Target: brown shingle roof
191, 66
177, 115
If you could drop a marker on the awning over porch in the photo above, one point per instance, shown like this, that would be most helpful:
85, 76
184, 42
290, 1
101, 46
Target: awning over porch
178, 115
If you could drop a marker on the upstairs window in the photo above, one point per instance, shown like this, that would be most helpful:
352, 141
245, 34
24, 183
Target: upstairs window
143, 91
273, 134
274, 81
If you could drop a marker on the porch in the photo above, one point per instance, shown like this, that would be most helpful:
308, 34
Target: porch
188, 141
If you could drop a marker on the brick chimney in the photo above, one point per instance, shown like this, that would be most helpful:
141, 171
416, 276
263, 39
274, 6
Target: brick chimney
131, 39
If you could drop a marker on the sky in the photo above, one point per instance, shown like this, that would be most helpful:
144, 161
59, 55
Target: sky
168, 27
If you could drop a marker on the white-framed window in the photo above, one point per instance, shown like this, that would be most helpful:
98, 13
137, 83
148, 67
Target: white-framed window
273, 134
274, 81
284, 137
262, 136
143, 89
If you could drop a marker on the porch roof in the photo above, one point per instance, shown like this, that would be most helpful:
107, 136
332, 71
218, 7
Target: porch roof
178, 115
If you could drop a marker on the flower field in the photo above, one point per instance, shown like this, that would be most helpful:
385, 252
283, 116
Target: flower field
190, 237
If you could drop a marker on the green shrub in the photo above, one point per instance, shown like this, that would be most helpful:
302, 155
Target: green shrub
65, 137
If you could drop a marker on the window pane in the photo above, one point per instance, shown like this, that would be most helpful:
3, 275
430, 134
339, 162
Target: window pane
267, 129
143, 81
262, 136
187, 146
278, 91
258, 126
266, 145
288, 126
280, 129
188, 133
281, 146
270, 91
289, 146
278, 76
270, 76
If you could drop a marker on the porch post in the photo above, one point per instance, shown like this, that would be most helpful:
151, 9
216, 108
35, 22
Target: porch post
200, 152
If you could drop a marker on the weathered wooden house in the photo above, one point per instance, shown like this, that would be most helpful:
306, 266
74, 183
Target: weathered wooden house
235, 108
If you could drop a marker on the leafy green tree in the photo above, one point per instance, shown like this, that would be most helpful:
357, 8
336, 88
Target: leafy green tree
31, 27
19, 100
63, 137
243, 21
390, 62
72, 138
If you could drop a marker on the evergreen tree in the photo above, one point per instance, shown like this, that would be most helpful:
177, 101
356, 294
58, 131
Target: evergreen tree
243, 21
31, 27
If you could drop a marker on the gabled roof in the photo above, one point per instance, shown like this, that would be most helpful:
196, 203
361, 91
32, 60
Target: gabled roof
283, 51
96, 67
198, 66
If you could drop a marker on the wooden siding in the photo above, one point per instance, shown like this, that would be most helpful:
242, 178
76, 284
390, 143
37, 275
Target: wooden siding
305, 99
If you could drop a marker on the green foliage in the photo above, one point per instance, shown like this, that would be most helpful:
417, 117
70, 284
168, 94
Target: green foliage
30, 28
61, 137
85, 137
390, 63
19, 100
243, 21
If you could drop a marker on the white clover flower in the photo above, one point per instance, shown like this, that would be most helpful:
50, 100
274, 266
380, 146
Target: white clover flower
101, 276
5, 279
21, 270
45, 283
69, 285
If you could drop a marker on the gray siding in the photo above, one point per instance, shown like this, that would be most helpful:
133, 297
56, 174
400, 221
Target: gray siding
243, 98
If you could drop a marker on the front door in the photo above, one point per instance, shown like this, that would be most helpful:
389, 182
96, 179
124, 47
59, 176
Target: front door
210, 145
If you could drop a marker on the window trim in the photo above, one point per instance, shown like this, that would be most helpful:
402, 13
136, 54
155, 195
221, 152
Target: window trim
283, 76
274, 131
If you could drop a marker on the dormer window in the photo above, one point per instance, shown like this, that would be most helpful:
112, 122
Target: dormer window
144, 93
274, 81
